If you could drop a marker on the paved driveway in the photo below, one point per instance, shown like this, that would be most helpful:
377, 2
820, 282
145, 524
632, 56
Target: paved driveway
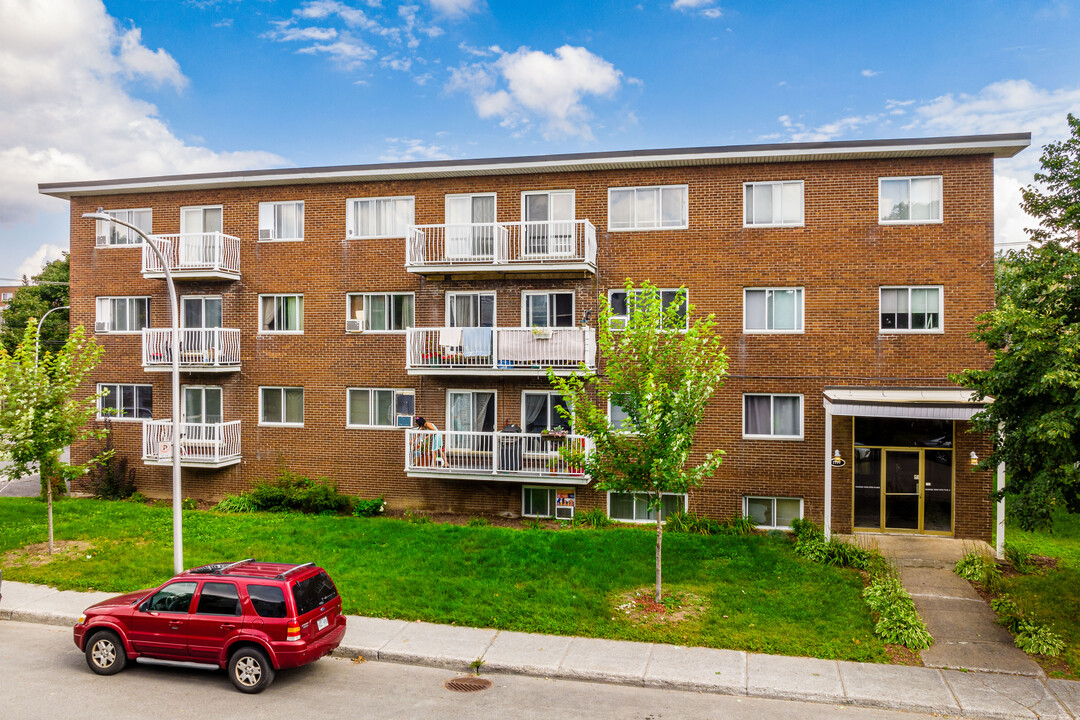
27, 485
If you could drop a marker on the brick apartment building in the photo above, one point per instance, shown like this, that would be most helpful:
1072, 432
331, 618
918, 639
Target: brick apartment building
322, 308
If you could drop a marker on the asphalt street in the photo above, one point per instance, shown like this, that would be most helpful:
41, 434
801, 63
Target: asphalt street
45, 676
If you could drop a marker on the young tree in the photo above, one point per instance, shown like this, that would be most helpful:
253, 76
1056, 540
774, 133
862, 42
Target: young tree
1034, 333
33, 301
661, 369
39, 412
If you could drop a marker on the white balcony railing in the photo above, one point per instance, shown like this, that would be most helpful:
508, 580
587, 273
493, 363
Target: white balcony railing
499, 349
211, 254
209, 444
494, 453
201, 348
502, 245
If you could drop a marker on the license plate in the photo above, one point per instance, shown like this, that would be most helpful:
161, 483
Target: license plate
321, 623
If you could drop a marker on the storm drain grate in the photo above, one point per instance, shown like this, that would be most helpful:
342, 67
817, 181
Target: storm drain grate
467, 684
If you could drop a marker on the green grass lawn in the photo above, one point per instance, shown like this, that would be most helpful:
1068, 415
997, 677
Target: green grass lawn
761, 596
1054, 596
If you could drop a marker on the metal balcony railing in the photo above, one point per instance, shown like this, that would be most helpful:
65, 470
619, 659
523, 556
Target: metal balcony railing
211, 254
208, 444
499, 349
513, 455
200, 348
502, 246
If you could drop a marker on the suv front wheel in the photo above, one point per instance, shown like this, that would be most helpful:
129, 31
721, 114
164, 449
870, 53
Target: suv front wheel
250, 670
105, 653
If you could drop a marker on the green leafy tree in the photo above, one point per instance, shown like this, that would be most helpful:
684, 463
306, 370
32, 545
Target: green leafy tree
661, 370
1034, 333
33, 301
40, 413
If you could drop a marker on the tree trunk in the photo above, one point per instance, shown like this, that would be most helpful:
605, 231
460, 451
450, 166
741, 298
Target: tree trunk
659, 538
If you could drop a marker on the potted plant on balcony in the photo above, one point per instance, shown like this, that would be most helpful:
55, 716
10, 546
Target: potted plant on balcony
553, 437
541, 333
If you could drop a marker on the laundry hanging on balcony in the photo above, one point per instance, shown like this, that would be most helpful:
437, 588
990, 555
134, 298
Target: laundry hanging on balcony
476, 342
450, 337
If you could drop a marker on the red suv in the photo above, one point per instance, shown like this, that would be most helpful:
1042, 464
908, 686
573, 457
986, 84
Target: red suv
249, 618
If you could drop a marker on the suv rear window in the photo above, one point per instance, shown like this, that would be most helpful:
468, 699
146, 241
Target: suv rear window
313, 592
268, 600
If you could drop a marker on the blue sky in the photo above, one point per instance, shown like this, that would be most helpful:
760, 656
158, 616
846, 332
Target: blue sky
94, 90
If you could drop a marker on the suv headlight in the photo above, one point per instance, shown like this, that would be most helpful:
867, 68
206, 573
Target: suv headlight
81, 620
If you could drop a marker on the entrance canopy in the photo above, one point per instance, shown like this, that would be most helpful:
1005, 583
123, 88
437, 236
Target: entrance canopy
924, 403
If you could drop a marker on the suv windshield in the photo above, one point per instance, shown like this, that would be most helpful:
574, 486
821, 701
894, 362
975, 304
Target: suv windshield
313, 592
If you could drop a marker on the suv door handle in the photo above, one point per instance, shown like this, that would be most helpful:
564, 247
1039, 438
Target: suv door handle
174, 625
228, 626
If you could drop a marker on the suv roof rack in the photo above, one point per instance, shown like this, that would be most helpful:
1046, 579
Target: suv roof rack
218, 568
230, 566
294, 569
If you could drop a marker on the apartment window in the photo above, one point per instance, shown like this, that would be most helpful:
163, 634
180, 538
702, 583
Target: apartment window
122, 401
384, 217
773, 310
772, 416
549, 223
470, 309
634, 507
200, 311
910, 309
470, 227
281, 313
5, 297
538, 501
540, 411
112, 234
617, 414
471, 411
379, 312
122, 314
773, 512
555, 309
201, 404
201, 219
622, 306
374, 407
909, 199
647, 208
281, 220
773, 204
281, 406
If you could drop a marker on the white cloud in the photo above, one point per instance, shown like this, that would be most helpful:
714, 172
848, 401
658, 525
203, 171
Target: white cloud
348, 53
527, 84
868, 73
705, 8
286, 33
45, 254
1002, 107
410, 150
67, 113
454, 8
690, 4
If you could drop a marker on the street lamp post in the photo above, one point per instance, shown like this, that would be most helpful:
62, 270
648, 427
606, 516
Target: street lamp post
174, 345
48, 481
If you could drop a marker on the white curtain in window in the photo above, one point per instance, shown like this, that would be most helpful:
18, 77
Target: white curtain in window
785, 416
536, 412
755, 310
673, 207
924, 205
621, 208
763, 204
792, 203
648, 207
756, 414
359, 407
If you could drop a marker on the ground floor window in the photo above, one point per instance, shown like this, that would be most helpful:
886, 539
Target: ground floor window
773, 512
553, 502
634, 507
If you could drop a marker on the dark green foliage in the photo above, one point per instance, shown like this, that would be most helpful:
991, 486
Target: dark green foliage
33, 301
1058, 207
1020, 560
369, 508
189, 504
1030, 635
416, 517
241, 503
478, 521
687, 522
292, 492
595, 518
739, 525
981, 568
113, 479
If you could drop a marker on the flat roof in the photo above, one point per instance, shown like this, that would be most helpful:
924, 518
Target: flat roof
1003, 145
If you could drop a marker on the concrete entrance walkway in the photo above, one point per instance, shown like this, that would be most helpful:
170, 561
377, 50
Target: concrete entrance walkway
966, 634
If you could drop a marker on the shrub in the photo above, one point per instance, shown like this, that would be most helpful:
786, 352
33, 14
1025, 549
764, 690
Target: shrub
687, 522
739, 525
478, 521
981, 568
189, 504
112, 479
137, 497
241, 503
1020, 560
292, 492
897, 620
1029, 634
416, 516
595, 518
369, 508
532, 524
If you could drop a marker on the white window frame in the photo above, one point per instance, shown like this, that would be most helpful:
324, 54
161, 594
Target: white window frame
573, 203
525, 295
552, 414
183, 222
494, 398
371, 407
131, 233
551, 489
282, 388
273, 204
363, 321
202, 299
351, 231
773, 498
203, 388
626, 320
619, 429
773, 396
129, 298
494, 305
5, 297
276, 296
802, 311
686, 208
776, 184
120, 418
490, 193
685, 505
909, 178
908, 331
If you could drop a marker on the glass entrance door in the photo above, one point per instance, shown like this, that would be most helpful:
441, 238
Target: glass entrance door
902, 489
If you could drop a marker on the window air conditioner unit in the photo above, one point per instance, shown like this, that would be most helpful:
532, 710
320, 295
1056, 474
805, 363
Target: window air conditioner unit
266, 234
564, 513
404, 421
354, 325
101, 326
102, 240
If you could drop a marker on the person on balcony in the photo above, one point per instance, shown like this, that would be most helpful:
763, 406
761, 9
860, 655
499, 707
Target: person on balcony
428, 449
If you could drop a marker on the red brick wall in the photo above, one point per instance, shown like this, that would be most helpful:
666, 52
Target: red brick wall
841, 256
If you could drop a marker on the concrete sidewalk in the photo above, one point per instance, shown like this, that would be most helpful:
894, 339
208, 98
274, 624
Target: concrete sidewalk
728, 672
